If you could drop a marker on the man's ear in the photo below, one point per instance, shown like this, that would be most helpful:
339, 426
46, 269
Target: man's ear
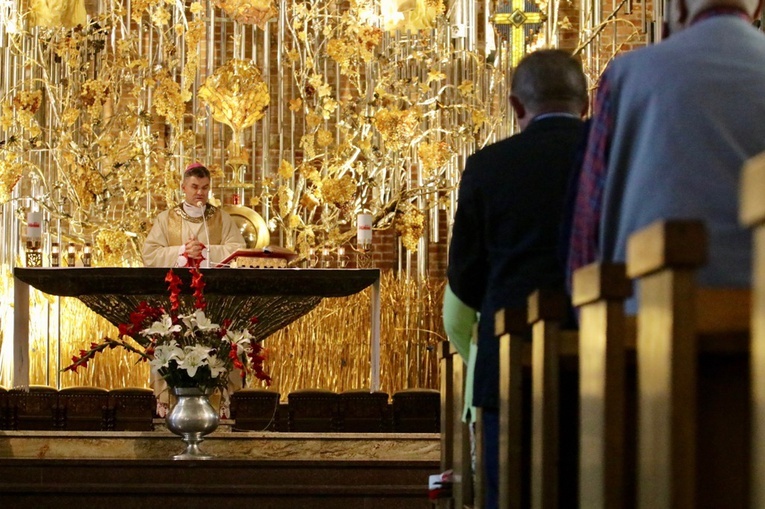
518, 107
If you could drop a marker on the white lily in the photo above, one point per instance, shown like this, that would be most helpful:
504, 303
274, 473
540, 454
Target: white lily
216, 365
194, 358
163, 327
239, 339
164, 353
202, 322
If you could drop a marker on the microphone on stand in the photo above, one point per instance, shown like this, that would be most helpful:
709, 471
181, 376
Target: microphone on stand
201, 205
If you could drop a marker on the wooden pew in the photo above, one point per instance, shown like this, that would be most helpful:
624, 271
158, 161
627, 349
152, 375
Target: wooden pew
455, 435
606, 388
692, 354
554, 400
752, 214
512, 332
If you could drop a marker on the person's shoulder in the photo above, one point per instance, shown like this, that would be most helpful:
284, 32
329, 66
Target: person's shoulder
493, 151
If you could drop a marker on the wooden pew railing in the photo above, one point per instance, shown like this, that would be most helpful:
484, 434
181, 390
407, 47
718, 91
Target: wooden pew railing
693, 435
692, 355
513, 333
554, 401
688, 347
752, 214
606, 388
455, 435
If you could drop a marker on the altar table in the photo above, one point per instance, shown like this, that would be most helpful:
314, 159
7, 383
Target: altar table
276, 296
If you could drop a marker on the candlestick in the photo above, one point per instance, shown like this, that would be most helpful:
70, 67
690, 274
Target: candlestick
54, 254
70, 254
342, 259
87, 255
326, 259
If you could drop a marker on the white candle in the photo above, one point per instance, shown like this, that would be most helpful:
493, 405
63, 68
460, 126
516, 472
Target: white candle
364, 230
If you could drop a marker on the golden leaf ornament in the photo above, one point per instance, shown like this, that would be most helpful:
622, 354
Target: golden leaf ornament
236, 94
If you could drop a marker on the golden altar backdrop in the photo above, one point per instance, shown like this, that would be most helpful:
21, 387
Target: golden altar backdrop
329, 347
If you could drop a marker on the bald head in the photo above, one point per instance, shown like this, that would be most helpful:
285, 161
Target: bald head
680, 13
549, 80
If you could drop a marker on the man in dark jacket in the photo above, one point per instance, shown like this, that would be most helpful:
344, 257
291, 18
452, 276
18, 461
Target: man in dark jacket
505, 237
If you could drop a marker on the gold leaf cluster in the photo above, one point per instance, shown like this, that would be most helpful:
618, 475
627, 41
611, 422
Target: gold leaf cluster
250, 12
236, 94
397, 127
410, 224
11, 169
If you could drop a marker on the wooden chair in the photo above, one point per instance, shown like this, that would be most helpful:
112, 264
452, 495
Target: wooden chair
256, 409
554, 401
131, 409
606, 387
455, 434
5, 419
36, 409
416, 411
693, 372
83, 408
313, 410
364, 411
513, 333
752, 214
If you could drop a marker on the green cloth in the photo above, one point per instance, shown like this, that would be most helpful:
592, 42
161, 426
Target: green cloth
459, 323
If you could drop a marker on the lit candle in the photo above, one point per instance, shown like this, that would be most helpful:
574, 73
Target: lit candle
342, 260
70, 252
326, 261
54, 254
87, 255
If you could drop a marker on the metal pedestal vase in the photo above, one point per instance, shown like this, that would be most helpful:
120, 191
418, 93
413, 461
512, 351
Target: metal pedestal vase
192, 418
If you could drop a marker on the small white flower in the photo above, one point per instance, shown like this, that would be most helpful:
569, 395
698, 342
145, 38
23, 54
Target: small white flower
194, 358
164, 327
216, 365
164, 353
202, 322
240, 340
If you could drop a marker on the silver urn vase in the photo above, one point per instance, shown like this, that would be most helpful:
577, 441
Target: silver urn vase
192, 418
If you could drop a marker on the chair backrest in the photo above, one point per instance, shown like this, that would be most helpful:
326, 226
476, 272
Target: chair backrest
363, 411
132, 409
313, 410
36, 409
83, 408
416, 411
256, 409
5, 420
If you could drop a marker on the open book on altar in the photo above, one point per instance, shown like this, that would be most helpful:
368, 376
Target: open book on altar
267, 257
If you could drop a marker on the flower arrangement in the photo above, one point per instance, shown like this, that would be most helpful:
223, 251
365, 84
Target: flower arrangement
186, 350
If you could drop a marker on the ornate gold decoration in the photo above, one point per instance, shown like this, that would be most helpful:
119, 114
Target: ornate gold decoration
251, 225
328, 347
410, 14
250, 12
236, 94
518, 19
58, 13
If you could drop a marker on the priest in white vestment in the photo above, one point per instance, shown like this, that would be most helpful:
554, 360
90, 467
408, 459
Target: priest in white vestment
193, 233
